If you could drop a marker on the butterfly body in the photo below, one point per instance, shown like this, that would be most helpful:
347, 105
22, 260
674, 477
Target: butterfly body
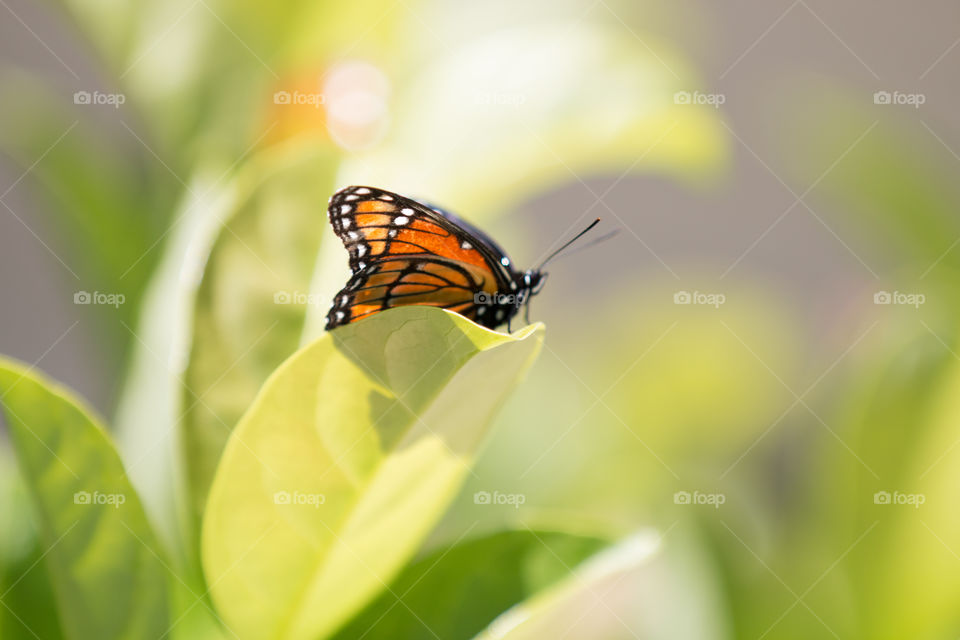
405, 252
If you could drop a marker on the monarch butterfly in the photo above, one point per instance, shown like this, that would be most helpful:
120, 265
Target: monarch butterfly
404, 252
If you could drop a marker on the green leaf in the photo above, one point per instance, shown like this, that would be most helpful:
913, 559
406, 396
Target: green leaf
24, 584
100, 552
149, 408
456, 591
27, 594
921, 596
348, 456
636, 590
210, 333
913, 379
264, 253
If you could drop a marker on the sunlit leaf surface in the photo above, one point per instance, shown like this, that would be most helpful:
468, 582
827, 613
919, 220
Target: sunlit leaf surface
348, 456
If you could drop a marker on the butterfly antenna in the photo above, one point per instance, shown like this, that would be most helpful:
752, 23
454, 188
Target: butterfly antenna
603, 238
574, 239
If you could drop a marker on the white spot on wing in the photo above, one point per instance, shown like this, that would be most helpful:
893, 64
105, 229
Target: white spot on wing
401, 220
466, 245
362, 191
361, 250
345, 208
505, 261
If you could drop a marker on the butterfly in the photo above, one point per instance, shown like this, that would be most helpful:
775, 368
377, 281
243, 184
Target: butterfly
405, 252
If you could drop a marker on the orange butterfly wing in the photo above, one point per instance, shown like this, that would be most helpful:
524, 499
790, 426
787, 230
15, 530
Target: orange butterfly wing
402, 253
403, 281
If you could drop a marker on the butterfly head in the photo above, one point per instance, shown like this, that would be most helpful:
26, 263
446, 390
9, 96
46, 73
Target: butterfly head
533, 281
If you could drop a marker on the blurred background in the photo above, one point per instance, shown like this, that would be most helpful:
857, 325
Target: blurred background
762, 367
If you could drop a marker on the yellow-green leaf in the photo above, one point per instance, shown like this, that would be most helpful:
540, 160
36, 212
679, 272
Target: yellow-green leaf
107, 576
250, 306
348, 456
636, 590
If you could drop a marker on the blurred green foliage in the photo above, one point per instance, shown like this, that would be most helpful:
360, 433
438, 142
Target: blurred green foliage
203, 199
458, 591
